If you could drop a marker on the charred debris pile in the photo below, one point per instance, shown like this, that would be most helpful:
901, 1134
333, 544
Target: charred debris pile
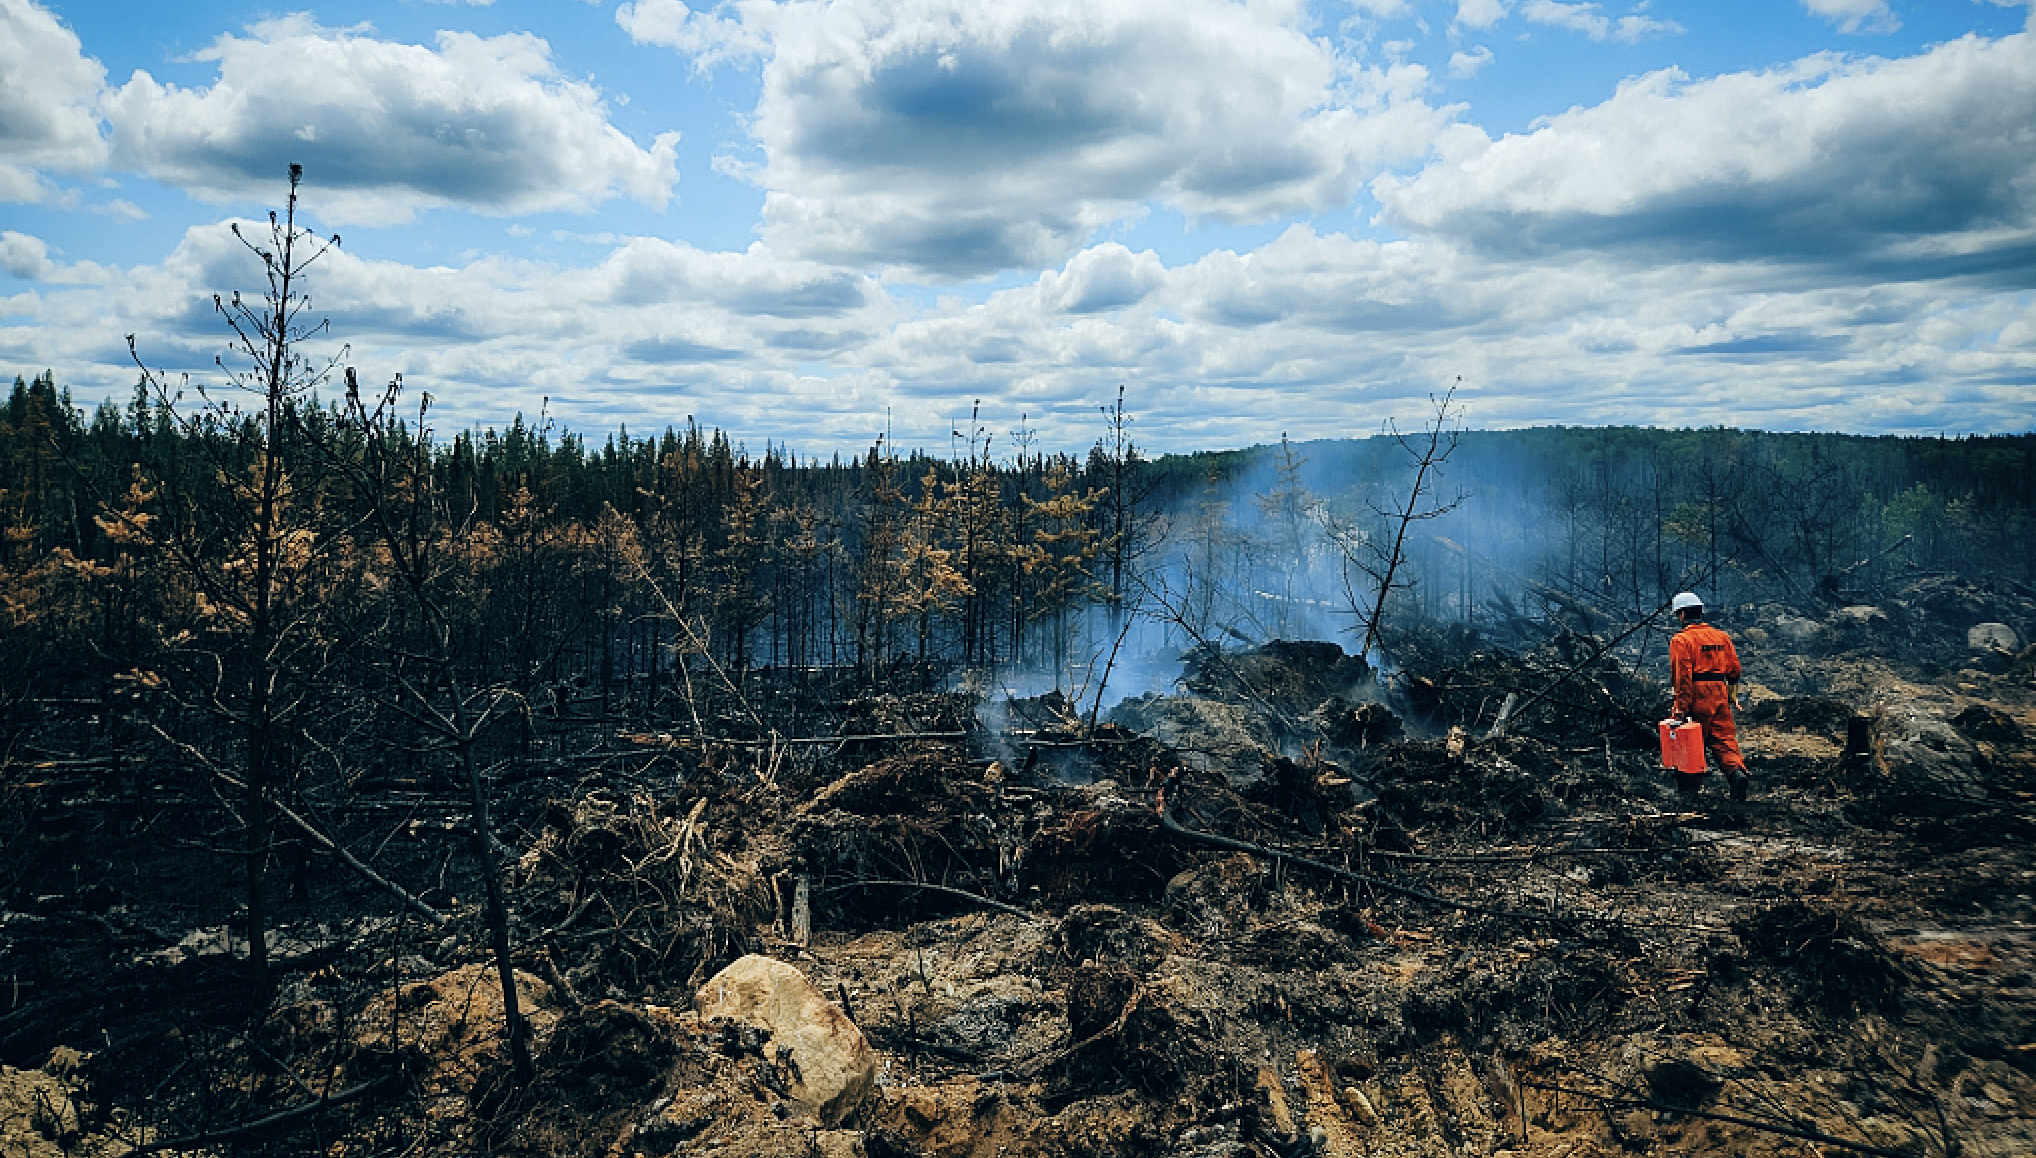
1295, 906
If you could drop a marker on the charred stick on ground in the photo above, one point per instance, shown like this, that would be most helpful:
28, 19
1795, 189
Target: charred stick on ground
1167, 822
931, 888
1611, 1101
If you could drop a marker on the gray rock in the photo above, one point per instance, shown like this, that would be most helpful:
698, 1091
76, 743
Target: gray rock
1210, 735
1922, 764
1798, 630
1992, 637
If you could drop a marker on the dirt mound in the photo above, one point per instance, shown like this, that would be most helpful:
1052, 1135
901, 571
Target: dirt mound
1839, 961
1988, 725
1206, 734
1823, 716
41, 1115
1287, 678
1421, 782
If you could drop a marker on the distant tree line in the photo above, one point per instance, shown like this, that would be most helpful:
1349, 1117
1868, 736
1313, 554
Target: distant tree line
1806, 519
604, 571
583, 570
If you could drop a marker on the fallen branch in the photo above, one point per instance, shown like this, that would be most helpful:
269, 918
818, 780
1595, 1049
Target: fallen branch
355, 863
1514, 858
1167, 822
280, 1117
1583, 609
1733, 1119
53, 764
409, 899
1038, 1065
789, 741
1092, 742
931, 888
1870, 558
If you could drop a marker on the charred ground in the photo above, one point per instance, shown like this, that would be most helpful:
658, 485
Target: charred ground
1289, 909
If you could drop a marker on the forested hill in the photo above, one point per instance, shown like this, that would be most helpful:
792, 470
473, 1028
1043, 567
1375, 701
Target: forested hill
129, 532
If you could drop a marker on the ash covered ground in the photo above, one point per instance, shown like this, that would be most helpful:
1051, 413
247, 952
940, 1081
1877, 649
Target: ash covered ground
1286, 909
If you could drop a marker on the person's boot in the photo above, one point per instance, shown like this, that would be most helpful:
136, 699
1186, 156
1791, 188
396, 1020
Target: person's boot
1739, 781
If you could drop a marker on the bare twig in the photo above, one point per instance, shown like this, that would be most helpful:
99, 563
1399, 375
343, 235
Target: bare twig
281, 1117
1167, 822
1610, 1101
409, 899
931, 888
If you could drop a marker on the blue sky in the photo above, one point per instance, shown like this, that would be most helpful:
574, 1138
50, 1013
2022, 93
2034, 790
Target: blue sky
811, 222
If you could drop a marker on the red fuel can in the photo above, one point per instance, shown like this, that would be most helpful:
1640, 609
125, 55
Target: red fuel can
1682, 746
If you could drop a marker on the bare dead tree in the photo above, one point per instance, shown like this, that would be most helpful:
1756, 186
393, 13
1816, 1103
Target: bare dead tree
1382, 558
432, 552
1129, 527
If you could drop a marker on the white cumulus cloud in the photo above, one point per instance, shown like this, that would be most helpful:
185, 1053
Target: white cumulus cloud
1468, 64
24, 257
49, 91
1587, 19
1103, 278
708, 38
1923, 163
956, 138
1479, 13
1856, 15
121, 209
483, 123
28, 259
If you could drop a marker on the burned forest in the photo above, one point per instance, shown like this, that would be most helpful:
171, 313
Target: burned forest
371, 790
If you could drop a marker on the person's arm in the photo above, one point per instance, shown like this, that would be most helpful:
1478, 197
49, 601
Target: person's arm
1679, 667
1732, 673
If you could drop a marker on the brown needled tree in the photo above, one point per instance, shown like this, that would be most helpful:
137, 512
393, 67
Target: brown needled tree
242, 532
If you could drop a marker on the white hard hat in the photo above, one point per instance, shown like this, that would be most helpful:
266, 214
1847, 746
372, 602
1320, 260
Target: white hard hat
1685, 600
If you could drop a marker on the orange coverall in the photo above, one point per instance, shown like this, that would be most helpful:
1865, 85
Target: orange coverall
1705, 666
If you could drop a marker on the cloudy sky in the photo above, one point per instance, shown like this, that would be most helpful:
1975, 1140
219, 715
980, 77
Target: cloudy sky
807, 222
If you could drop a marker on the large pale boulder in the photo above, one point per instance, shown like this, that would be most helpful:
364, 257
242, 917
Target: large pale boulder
1991, 637
832, 1067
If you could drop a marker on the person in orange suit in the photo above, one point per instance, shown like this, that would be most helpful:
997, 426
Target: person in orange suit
1705, 666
